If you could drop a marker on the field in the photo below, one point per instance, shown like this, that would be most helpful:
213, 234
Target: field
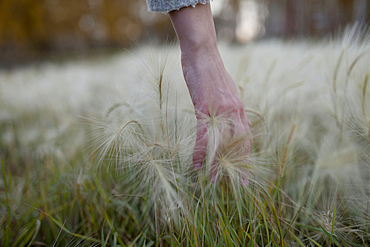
99, 152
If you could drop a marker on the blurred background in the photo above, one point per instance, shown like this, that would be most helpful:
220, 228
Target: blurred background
36, 30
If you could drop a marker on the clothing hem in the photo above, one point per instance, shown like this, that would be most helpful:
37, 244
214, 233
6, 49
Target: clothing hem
166, 10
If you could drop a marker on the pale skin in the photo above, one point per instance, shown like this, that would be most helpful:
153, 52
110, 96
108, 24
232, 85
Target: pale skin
209, 84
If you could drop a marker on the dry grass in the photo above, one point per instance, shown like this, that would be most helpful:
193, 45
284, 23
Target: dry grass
100, 153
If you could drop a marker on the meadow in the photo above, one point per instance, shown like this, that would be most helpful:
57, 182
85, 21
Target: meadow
99, 152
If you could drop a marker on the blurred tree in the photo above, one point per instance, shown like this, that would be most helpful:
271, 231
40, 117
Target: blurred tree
290, 18
347, 7
80, 25
75, 25
22, 23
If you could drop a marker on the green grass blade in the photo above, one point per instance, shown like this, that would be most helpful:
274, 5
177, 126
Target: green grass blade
333, 224
8, 218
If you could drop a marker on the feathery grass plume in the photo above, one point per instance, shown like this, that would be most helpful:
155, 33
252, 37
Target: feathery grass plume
142, 125
353, 35
227, 154
112, 139
329, 213
228, 161
336, 166
358, 208
156, 70
151, 140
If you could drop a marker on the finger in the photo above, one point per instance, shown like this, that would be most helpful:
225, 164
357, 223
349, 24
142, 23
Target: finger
245, 121
247, 125
200, 145
237, 128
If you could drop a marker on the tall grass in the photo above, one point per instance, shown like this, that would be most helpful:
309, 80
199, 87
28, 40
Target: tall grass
100, 153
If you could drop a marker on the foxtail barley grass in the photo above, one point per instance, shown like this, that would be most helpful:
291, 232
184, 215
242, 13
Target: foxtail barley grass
131, 182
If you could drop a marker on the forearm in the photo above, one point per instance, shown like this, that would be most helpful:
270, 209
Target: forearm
195, 28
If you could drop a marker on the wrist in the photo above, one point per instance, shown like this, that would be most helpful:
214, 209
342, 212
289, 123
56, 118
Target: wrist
198, 62
199, 43
200, 53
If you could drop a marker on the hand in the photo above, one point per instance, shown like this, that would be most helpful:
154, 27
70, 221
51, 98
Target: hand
217, 105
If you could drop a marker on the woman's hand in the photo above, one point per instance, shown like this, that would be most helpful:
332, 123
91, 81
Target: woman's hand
211, 88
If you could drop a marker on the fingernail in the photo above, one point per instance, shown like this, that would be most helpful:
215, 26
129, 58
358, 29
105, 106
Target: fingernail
197, 166
244, 182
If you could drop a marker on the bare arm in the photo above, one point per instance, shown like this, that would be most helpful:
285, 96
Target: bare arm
211, 88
